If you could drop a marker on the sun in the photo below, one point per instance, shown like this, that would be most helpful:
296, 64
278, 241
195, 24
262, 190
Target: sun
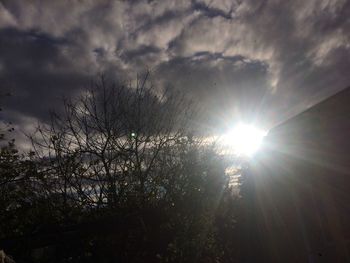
244, 139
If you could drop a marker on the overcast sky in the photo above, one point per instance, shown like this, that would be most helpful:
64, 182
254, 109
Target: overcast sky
269, 58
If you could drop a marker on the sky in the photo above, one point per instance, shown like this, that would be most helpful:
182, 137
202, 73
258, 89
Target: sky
261, 60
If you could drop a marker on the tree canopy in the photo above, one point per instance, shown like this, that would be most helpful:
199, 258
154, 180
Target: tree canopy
120, 176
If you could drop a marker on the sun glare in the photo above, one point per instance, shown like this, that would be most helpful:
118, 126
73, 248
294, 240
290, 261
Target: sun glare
244, 139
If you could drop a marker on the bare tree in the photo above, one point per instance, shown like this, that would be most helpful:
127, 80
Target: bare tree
107, 146
132, 155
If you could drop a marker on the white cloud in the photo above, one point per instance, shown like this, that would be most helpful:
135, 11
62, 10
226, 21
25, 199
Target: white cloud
294, 43
6, 18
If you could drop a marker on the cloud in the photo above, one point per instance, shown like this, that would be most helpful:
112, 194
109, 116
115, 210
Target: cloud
229, 55
6, 18
216, 82
37, 71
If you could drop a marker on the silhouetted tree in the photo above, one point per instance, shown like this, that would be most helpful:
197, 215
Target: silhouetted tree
17, 176
107, 145
124, 169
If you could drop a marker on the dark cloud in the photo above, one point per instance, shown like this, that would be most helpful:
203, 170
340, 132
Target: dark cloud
141, 51
211, 11
253, 58
227, 88
36, 71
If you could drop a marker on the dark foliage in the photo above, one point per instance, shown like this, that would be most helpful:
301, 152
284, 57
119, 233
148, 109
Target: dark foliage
120, 177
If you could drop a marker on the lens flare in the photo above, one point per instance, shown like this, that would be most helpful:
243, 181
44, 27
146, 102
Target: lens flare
244, 139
